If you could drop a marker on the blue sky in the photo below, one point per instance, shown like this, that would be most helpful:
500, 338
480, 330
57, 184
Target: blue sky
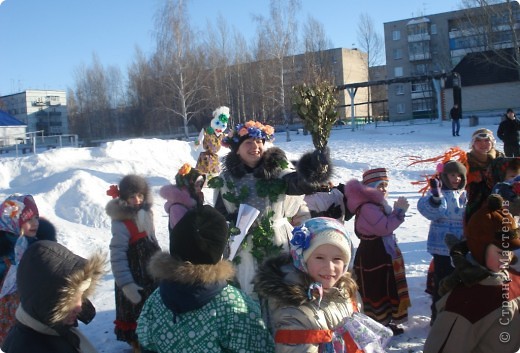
44, 42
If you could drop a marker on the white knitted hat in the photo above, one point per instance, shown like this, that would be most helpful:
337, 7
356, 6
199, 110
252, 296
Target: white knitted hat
332, 237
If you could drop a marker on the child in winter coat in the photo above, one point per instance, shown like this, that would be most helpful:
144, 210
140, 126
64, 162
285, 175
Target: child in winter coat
444, 206
195, 309
53, 284
132, 245
184, 195
481, 312
379, 264
311, 296
18, 228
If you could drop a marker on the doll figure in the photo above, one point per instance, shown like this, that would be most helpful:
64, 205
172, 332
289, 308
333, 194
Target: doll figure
210, 138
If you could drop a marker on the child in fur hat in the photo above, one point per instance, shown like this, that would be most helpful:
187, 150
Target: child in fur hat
18, 228
195, 309
481, 312
132, 245
379, 264
444, 206
184, 195
311, 296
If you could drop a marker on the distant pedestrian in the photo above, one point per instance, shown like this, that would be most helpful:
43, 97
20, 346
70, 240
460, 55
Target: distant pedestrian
455, 115
508, 132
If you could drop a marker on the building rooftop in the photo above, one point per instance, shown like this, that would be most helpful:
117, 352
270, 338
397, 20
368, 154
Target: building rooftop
7, 119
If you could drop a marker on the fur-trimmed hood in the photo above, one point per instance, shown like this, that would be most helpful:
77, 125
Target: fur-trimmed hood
120, 210
164, 267
357, 194
184, 286
174, 194
49, 277
278, 279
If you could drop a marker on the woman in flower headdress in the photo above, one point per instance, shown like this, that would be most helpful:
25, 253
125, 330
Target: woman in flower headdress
132, 245
263, 178
186, 194
211, 138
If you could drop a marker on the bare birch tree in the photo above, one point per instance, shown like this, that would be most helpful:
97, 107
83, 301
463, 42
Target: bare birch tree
492, 29
92, 99
370, 42
180, 63
219, 58
279, 32
317, 63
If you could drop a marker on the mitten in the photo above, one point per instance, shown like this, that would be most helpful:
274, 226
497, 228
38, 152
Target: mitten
401, 205
435, 187
315, 167
88, 311
131, 292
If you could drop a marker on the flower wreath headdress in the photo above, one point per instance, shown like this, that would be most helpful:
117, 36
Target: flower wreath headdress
248, 129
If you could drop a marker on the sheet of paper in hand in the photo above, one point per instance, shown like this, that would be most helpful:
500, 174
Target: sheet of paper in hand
246, 216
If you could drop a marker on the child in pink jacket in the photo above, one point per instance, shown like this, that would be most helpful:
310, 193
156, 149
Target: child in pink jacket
378, 264
185, 195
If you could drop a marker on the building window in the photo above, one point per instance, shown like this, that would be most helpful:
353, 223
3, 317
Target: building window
433, 28
419, 50
398, 71
398, 53
420, 69
400, 108
420, 87
399, 90
422, 105
418, 29
396, 35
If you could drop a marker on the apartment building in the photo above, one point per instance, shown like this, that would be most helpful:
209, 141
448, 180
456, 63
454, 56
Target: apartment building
41, 110
436, 44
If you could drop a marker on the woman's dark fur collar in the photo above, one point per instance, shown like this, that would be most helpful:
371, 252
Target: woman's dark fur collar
278, 278
163, 266
268, 168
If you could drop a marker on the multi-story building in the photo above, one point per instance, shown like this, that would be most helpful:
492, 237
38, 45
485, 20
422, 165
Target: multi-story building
338, 66
435, 44
41, 110
345, 66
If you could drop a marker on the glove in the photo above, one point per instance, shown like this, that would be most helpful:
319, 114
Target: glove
435, 187
88, 311
131, 292
401, 204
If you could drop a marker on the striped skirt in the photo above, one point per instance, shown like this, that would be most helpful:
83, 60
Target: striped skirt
382, 282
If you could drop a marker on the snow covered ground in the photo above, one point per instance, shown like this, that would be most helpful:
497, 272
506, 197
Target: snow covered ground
69, 186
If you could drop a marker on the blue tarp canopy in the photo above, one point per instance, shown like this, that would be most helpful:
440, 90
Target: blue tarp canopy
7, 119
